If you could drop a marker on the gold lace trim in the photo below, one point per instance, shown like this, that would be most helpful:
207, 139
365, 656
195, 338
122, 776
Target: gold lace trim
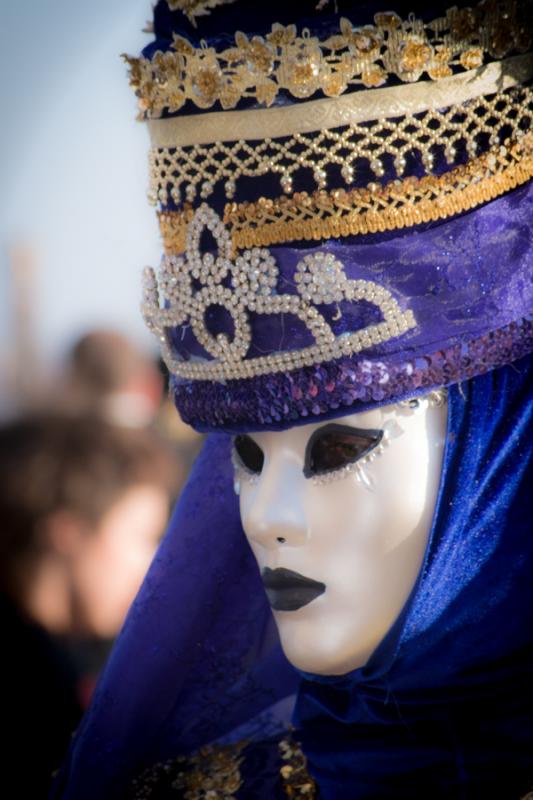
302, 65
178, 172
325, 215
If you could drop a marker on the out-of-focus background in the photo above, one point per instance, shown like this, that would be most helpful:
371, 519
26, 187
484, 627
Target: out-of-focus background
73, 185
92, 453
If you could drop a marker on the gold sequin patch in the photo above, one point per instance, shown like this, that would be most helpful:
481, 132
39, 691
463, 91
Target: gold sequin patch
302, 65
213, 773
296, 780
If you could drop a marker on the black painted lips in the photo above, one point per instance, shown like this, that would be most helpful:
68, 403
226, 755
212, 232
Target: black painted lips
288, 591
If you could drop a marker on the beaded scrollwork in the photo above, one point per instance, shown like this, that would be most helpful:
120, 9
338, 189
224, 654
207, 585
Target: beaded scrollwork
302, 65
189, 286
178, 173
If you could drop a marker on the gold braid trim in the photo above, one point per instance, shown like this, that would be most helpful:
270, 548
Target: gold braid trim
339, 213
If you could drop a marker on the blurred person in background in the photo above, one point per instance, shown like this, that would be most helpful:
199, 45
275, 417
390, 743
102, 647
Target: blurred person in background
108, 375
83, 505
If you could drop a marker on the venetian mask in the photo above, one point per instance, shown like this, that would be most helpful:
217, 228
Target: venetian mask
338, 515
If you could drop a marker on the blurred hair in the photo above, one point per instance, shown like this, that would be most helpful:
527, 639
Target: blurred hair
51, 463
104, 361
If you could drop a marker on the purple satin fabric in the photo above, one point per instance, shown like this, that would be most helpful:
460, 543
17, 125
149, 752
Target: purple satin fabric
461, 278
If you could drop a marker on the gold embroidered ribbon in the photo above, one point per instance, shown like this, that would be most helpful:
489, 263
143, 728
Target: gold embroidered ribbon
302, 65
362, 106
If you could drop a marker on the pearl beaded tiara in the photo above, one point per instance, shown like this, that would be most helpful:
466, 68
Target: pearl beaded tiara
317, 250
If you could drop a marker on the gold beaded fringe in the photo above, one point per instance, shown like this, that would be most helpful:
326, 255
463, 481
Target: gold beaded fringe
338, 213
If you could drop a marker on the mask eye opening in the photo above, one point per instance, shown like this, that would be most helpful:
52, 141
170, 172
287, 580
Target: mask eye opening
372, 436
247, 455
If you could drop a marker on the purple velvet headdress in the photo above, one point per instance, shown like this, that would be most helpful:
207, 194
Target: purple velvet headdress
343, 200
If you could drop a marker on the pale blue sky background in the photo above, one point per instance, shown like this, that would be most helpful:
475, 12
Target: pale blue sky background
73, 166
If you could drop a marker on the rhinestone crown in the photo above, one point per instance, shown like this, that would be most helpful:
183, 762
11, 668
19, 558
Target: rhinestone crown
188, 287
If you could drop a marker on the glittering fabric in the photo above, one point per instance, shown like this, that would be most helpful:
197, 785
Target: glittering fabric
275, 402
444, 707
468, 281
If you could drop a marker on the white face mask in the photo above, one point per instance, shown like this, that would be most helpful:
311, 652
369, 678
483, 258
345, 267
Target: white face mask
348, 506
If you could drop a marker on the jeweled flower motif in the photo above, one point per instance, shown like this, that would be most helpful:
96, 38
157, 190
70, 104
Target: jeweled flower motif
303, 64
472, 58
205, 78
301, 73
364, 43
281, 35
414, 57
373, 76
259, 55
333, 84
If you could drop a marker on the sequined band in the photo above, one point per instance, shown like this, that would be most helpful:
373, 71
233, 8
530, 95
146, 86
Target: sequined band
332, 157
334, 112
283, 400
303, 65
339, 213
188, 289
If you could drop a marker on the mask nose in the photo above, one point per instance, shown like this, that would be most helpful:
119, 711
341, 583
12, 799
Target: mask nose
272, 510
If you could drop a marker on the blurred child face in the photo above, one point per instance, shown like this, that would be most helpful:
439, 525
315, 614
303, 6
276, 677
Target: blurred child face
111, 561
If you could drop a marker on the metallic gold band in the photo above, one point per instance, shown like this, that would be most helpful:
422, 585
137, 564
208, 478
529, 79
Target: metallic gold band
362, 106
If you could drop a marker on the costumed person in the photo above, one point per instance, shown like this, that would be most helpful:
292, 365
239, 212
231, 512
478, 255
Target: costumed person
341, 607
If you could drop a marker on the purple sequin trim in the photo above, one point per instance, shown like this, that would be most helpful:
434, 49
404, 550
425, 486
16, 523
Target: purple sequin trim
282, 400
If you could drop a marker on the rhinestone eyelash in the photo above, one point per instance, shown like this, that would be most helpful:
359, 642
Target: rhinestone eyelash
391, 430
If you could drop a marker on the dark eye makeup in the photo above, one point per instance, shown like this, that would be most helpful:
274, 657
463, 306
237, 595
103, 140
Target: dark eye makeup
329, 448
334, 446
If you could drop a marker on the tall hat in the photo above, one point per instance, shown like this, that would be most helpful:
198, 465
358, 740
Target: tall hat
343, 199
